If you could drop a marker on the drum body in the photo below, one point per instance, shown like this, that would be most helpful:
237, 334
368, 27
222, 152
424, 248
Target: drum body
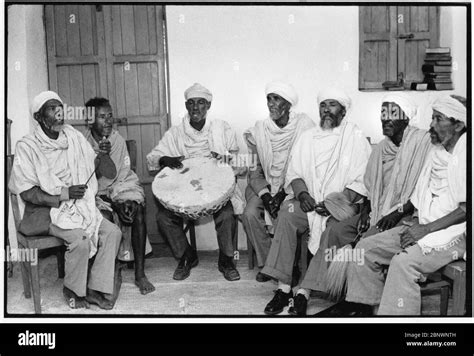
202, 187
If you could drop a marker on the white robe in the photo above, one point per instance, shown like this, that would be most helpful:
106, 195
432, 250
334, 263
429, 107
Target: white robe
328, 161
53, 165
440, 190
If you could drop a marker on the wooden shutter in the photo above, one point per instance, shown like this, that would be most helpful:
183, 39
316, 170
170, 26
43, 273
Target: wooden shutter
393, 40
418, 31
377, 46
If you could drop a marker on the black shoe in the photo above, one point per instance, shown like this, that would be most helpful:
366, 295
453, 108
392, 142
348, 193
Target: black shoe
227, 267
279, 301
300, 303
262, 277
347, 309
188, 261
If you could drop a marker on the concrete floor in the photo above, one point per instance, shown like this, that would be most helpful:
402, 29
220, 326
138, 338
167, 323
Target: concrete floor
205, 292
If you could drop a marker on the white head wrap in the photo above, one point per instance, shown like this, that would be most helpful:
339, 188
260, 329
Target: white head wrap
404, 101
198, 91
451, 108
286, 91
335, 94
42, 98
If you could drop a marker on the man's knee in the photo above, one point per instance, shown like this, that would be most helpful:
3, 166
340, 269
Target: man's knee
80, 242
401, 261
250, 213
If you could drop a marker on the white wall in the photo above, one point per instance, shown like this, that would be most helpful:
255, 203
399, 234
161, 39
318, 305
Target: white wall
236, 50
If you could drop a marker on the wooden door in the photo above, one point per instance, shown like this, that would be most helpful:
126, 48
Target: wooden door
117, 52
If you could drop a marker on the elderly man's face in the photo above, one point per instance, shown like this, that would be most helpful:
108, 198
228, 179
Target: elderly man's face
394, 120
197, 108
277, 106
104, 118
442, 128
51, 115
331, 113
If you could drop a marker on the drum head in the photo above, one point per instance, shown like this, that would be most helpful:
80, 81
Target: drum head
198, 189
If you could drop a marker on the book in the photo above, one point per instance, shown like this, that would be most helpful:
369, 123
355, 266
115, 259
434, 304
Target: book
440, 86
438, 63
438, 50
438, 75
437, 57
438, 80
436, 69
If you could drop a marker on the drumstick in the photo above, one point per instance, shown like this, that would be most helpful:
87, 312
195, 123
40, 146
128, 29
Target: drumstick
96, 166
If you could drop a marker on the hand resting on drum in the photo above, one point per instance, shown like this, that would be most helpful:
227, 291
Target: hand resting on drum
172, 162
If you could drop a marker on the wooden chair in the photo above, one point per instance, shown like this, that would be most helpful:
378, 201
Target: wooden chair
456, 273
29, 272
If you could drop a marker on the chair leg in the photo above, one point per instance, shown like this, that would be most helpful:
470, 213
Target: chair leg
61, 261
35, 281
235, 240
459, 294
192, 234
444, 298
250, 254
25, 277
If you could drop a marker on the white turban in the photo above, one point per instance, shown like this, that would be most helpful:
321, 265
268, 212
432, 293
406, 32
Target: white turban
42, 98
335, 94
286, 91
404, 101
198, 91
451, 108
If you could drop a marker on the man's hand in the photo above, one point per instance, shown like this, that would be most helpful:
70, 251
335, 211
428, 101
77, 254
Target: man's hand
77, 191
225, 158
105, 146
307, 203
126, 211
411, 233
321, 209
364, 221
389, 221
266, 199
172, 162
276, 201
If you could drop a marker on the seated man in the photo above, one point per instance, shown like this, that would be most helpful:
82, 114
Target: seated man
270, 140
434, 237
52, 166
328, 159
196, 136
121, 199
392, 172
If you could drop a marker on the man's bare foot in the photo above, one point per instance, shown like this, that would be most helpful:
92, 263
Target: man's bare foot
73, 300
97, 298
144, 285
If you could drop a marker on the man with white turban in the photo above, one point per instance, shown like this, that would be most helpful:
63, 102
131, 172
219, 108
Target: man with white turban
432, 237
197, 136
270, 141
392, 172
325, 160
49, 174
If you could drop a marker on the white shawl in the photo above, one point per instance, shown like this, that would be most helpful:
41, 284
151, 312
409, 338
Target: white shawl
345, 169
32, 168
432, 207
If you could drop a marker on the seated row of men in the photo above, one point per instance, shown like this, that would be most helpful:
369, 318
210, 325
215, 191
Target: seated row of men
406, 197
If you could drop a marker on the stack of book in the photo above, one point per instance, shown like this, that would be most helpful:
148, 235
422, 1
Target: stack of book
438, 68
